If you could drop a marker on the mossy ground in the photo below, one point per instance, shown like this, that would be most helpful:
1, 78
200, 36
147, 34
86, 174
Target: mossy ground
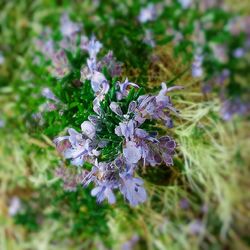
211, 169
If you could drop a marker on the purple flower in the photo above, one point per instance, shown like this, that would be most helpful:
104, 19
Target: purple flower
109, 62
103, 192
47, 93
92, 47
123, 89
2, 123
79, 147
197, 70
148, 38
2, 59
15, 206
185, 3
126, 129
132, 153
69, 178
69, 28
239, 53
116, 108
156, 107
88, 129
60, 65
233, 107
132, 189
148, 13
196, 227
131, 243
99, 83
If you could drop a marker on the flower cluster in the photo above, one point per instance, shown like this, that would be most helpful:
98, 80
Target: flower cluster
136, 146
73, 41
118, 124
119, 132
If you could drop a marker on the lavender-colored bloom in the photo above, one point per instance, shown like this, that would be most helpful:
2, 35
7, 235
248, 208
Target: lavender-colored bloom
126, 129
60, 65
123, 88
69, 28
45, 44
184, 204
109, 62
47, 93
15, 206
78, 147
2, 59
130, 244
99, 82
70, 180
156, 107
132, 153
148, 13
116, 108
196, 227
132, 189
103, 192
239, 53
2, 123
185, 3
197, 70
88, 129
233, 107
148, 38
92, 47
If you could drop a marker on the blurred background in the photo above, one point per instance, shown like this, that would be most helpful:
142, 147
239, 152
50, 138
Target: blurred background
202, 202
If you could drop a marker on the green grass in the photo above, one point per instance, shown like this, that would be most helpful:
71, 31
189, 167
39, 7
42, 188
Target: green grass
211, 169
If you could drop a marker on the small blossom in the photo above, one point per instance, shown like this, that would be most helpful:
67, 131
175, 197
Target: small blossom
88, 129
61, 66
197, 70
15, 206
92, 47
69, 28
103, 192
99, 82
132, 189
148, 13
233, 107
185, 3
116, 108
2, 59
239, 53
2, 123
196, 227
123, 88
148, 38
47, 93
131, 153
